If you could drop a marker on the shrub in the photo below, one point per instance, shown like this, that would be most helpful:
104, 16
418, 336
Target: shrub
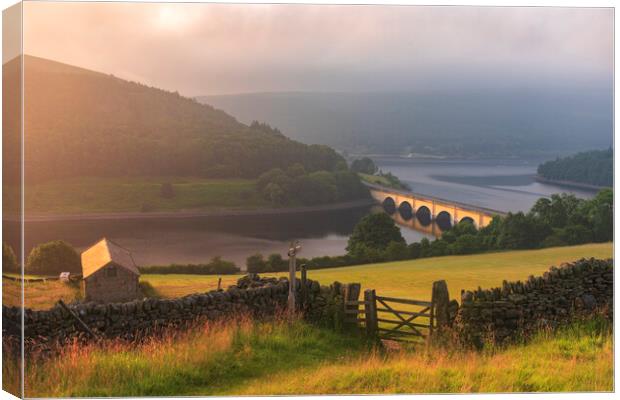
553, 241
315, 188
274, 193
276, 176
438, 248
256, 263
277, 263
396, 251
296, 170
373, 233
415, 250
53, 258
466, 244
364, 165
318, 187
216, 266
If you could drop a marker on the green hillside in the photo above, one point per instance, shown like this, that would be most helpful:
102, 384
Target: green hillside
594, 168
451, 121
85, 123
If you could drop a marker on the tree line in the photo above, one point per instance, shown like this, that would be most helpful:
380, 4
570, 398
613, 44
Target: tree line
294, 185
594, 167
562, 220
217, 266
52, 258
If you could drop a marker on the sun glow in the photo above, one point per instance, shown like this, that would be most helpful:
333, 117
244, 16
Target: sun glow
171, 18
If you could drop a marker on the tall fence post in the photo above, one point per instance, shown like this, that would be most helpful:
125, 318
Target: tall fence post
372, 325
294, 248
304, 286
351, 294
440, 305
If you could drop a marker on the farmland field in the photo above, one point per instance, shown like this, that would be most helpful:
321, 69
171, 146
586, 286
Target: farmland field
100, 195
411, 279
276, 357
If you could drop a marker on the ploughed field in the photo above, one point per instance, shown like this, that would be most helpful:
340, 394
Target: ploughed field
408, 279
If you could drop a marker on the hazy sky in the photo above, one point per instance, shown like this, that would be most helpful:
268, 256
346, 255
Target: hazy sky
222, 48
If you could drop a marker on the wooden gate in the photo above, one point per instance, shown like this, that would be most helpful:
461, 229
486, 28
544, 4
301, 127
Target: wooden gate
392, 323
389, 318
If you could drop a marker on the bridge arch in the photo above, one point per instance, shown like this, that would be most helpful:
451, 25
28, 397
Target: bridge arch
424, 216
468, 219
427, 208
389, 205
444, 220
405, 210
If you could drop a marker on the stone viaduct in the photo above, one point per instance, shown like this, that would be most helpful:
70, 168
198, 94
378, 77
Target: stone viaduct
422, 210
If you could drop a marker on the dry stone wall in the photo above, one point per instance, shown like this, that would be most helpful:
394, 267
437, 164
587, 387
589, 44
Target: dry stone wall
502, 314
517, 309
258, 297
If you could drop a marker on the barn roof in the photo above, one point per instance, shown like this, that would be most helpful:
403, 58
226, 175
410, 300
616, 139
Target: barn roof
104, 252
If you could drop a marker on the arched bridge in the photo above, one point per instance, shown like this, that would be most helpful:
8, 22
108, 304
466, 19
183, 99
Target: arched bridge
428, 209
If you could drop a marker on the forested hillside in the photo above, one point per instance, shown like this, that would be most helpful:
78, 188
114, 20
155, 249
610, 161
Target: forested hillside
594, 167
84, 123
477, 123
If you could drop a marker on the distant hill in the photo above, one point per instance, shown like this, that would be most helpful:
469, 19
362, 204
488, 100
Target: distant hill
460, 123
594, 168
85, 123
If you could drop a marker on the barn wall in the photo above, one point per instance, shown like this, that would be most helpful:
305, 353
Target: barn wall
100, 287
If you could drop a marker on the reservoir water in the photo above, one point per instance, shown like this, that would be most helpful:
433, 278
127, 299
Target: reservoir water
505, 185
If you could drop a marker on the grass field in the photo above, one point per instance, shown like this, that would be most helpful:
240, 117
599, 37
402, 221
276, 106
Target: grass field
375, 179
410, 279
246, 358
98, 195
414, 279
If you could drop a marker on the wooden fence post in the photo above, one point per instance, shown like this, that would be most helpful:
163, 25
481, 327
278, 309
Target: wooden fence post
294, 248
351, 293
304, 286
372, 325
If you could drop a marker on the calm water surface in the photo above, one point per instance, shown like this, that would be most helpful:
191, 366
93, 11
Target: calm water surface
505, 185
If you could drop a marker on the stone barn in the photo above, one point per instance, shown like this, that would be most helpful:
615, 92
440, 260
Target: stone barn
109, 273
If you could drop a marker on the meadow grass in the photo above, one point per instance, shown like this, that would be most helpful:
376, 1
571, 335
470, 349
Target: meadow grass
177, 285
251, 358
39, 295
577, 358
414, 278
129, 194
208, 359
409, 279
